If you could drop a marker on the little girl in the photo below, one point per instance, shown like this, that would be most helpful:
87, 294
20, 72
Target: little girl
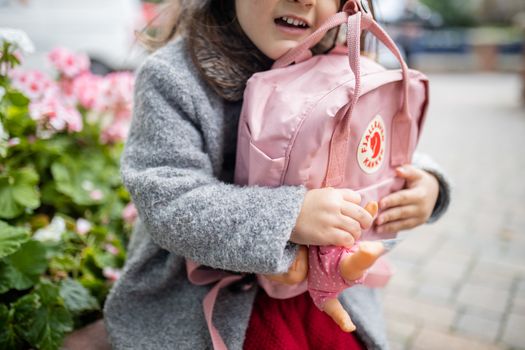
178, 166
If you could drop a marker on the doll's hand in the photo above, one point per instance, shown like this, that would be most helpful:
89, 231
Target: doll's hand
411, 206
330, 216
297, 271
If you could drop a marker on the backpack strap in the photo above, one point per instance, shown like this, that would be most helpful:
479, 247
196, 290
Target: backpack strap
401, 123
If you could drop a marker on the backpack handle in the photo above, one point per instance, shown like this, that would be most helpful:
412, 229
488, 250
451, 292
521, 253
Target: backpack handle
401, 123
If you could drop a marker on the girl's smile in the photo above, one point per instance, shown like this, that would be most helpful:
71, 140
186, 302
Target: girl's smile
276, 26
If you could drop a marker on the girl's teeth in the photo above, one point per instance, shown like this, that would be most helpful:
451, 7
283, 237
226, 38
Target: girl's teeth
294, 22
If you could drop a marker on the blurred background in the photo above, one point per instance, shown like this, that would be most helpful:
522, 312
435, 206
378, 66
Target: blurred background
460, 282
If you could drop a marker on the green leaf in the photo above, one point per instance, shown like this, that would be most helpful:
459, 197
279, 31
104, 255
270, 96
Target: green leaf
18, 99
43, 322
18, 191
25, 191
27, 196
71, 180
77, 298
7, 273
8, 337
9, 208
22, 269
11, 238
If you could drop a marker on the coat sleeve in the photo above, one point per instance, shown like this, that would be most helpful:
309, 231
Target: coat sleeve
425, 162
183, 205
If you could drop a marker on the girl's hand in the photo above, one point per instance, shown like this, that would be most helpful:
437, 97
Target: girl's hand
330, 216
411, 206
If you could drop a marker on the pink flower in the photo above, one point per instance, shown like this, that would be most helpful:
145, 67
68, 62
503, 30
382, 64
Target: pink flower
33, 83
82, 226
129, 214
111, 273
52, 112
116, 91
117, 131
96, 195
111, 249
68, 63
86, 88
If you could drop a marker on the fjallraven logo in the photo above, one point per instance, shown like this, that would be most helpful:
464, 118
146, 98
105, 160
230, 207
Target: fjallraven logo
371, 150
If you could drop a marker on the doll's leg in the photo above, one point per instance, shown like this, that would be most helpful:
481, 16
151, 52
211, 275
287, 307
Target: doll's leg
353, 266
297, 272
335, 310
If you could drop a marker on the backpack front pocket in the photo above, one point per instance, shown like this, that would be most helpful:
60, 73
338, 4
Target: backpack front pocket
263, 170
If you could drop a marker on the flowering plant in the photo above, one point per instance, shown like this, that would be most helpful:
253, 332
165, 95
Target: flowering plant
64, 214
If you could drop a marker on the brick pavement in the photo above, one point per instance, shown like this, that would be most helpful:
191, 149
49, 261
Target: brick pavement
461, 281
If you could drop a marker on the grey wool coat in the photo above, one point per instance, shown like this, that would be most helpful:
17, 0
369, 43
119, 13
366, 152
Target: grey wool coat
178, 166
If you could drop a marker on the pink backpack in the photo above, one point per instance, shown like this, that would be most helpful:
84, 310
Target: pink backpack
338, 120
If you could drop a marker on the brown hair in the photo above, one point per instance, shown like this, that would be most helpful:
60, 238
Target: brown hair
218, 46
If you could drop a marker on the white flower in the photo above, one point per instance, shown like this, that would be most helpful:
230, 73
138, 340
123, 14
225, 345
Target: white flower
13, 142
18, 39
83, 226
52, 232
87, 185
2, 92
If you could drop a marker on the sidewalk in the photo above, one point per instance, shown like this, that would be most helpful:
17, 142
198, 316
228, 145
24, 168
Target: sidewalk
460, 283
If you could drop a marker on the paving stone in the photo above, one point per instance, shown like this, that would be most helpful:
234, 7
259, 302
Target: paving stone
501, 268
444, 270
495, 316
435, 293
395, 345
478, 327
428, 314
401, 330
430, 339
514, 333
402, 282
484, 297
518, 305
520, 286
453, 256
486, 277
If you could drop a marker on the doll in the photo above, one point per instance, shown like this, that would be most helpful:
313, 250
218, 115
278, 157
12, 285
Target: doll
326, 282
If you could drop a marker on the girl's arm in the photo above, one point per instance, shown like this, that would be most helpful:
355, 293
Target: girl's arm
185, 208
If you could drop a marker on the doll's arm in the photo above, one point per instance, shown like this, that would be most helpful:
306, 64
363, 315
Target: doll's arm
297, 271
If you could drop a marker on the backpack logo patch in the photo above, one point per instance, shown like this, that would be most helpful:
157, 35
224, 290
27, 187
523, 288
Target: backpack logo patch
371, 150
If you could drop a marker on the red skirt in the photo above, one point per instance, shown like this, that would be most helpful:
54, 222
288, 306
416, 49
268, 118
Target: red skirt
294, 324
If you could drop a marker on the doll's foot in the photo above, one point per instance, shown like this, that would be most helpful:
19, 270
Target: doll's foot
372, 208
297, 272
354, 266
335, 310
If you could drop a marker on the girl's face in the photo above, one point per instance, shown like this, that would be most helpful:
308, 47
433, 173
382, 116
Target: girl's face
275, 26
